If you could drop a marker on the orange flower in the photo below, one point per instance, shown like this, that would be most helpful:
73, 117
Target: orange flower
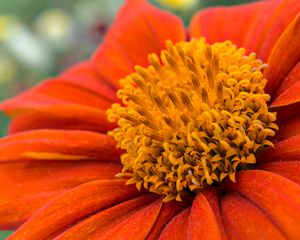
58, 165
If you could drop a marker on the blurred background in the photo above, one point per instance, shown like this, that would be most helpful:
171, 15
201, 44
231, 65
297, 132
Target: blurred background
38, 39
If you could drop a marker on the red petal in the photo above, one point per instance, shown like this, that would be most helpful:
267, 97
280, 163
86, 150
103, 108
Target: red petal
292, 77
286, 150
289, 129
255, 26
167, 211
53, 92
241, 21
213, 197
58, 145
273, 26
176, 229
139, 29
289, 96
30, 184
73, 205
203, 221
86, 75
62, 117
136, 226
96, 225
289, 169
244, 220
277, 196
286, 113
284, 56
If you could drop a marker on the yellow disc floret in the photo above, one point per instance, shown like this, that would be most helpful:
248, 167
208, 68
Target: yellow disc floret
193, 118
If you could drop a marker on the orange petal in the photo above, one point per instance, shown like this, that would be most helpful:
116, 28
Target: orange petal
274, 25
136, 226
53, 92
240, 22
58, 145
277, 196
289, 129
176, 229
139, 29
62, 117
30, 184
167, 212
284, 55
96, 225
244, 220
203, 221
288, 169
291, 78
254, 26
71, 206
286, 113
213, 196
286, 150
289, 96
92, 80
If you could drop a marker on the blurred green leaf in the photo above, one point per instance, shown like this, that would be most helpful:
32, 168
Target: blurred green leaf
5, 234
3, 125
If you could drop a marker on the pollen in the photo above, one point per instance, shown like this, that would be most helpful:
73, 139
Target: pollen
196, 116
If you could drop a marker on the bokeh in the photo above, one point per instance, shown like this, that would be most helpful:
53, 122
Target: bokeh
38, 39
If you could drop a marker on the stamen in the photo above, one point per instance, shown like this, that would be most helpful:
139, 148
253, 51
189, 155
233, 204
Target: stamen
193, 118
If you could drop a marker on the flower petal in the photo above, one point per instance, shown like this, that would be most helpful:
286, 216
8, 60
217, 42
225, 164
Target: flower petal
279, 17
139, 29
241, 21
73, 205
289, 129
167, 212
207, 226
289, 96
244, 220
285, 150
277, 196
136, 226
291, 78
94, 226
213, 197
284, 55
86, 75
53, 92
58, 145
288, 169
254, 26
176, 229
28, 185
286, 113
62, 117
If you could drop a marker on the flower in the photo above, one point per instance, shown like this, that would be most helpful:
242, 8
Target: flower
58, 165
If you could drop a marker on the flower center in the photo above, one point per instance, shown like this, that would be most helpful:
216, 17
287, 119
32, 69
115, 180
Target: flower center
193, 118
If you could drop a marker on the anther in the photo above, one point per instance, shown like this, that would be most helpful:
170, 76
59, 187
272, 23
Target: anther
204, 96
208, 53
186, 101
158, 102
154, 61
174, 100
170, 122
130, 118
150, 124
210, 77
181, 54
